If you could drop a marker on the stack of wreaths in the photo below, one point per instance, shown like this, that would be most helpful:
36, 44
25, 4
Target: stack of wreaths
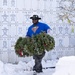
34, 45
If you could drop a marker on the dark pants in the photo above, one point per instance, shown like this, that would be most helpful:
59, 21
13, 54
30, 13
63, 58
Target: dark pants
38, 65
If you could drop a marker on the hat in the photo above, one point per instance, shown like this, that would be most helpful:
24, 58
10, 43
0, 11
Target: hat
35, 17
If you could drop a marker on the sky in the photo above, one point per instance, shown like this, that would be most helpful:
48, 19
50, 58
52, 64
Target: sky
64, 66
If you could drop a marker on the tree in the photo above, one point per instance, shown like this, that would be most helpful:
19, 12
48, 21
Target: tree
66, 12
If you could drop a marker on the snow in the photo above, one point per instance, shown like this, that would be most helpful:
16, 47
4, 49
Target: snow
24, 68
64, 66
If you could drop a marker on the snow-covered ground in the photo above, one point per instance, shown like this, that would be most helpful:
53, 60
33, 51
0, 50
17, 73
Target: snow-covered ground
23, 68
65, 66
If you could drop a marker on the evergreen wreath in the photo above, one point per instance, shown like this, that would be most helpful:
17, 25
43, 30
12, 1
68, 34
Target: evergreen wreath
28, 46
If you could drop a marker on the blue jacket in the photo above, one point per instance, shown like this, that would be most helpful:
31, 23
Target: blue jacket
36, 29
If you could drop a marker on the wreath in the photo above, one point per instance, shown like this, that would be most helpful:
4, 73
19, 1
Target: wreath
28, 46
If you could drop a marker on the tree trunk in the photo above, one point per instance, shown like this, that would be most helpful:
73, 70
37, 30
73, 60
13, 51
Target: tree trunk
38, 65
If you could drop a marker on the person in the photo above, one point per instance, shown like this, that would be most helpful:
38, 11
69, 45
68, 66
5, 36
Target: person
36, 28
